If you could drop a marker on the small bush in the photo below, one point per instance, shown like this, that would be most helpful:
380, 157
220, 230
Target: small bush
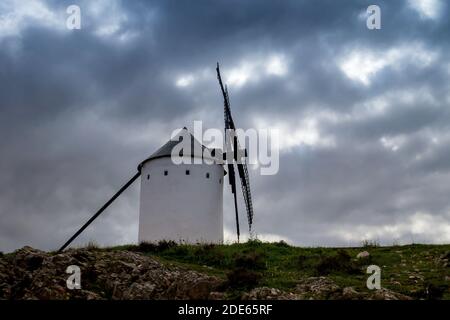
246, 272
243, 278
254, 242
162, 245
205, 249
340, 262
180, 251
90, 274
370, 243
435, 291
147, 247
301, 260
251, 260
282, 244
306, 261
432, 290
166, 244
34, 262
210, 255
92, 245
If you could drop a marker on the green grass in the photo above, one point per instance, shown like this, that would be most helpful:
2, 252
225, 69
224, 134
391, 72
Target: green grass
406, 269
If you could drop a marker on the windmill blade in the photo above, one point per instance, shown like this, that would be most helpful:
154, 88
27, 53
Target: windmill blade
245, 185
232, 181
231, 172
244, 178
106, 205
242, 167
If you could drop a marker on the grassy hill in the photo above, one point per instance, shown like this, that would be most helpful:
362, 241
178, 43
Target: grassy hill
251, 270
418, 271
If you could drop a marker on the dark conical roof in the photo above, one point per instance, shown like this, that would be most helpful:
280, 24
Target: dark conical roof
166, 149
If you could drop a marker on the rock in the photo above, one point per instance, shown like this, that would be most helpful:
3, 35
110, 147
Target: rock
29, 258
350, 293
363, 255
445, 259
317, 287
386, 294
321, 288
33, 274
445, 256
215, 295
137, 291
201, 288
324, 288
266, 293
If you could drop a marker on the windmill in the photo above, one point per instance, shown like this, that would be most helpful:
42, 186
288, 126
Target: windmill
232, 145
186, 201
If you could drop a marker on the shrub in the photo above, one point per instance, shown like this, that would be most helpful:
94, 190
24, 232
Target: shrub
254, 242
162, 245
180, 251
432, 290
205, 249
166, 244
306, 261
370, 243
209, 254
435, 291
251, 260
282, 243
34, 262
301, 260
147, 247
92, 245
245, 273
89, 274
340, 262
243, 278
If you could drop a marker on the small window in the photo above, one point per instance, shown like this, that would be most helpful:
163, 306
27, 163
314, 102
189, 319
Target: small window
166, 172
220, 181
148, 177
188, 172
207, 175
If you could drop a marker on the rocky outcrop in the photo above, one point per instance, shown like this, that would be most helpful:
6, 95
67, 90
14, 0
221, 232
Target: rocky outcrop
445, 258
265, 293
118, 274
321, 288
324, 288
363, 255
318, 288
32, 274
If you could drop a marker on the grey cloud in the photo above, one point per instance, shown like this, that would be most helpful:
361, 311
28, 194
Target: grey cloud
78, 111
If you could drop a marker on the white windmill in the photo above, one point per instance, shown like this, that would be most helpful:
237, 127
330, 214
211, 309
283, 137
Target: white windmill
184, 201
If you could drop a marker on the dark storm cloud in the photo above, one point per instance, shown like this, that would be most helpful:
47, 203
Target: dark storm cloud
80, 109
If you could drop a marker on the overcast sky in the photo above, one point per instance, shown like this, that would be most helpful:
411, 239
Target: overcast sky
364, 114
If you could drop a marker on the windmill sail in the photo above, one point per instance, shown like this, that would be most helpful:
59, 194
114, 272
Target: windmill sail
231, 173
241, 163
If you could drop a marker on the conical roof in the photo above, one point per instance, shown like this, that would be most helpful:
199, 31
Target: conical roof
166, 149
